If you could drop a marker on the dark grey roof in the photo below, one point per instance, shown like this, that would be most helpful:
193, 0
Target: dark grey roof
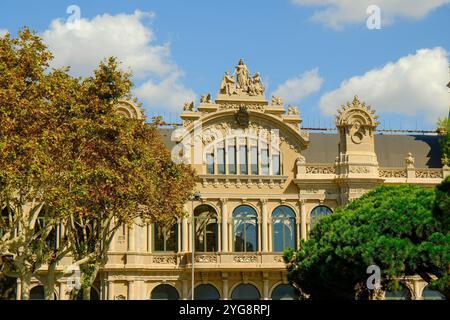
166, 134
391, 149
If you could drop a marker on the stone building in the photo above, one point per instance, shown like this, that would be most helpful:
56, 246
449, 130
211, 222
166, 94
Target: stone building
263, 182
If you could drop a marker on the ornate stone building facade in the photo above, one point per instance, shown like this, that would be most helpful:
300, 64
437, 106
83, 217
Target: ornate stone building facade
263, 183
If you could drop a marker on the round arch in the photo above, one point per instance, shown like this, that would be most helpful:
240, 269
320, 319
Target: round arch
283, 291
245, 291
317, 213
37, 293
273, 120
206, 291
165, 292
95, 294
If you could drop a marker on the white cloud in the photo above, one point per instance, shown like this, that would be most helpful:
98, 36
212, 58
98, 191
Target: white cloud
84, 44
3, 32
337, 13
169, 92
413, 84
298, 88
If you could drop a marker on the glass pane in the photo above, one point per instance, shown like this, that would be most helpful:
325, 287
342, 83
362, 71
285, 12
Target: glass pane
206, 292
284, 292
429, 294
245, 292
254, 159
243, 164
210, 163
221, 160
318, 213
165, 240
211, 232
278, 245
239, 231
289, 233
251, 244
165, 292
265, 161
232, 159
276, 164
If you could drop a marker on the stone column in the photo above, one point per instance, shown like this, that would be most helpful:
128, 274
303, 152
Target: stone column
224, 225
265, 286
131, 290
303, 219
110, 290
264, 224
184, 235
185, 289
225, 286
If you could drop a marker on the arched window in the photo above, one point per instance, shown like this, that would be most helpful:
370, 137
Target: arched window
317, 213
37, 293
402, 293
245, 229
284, 292
206, 292
245, 292
284, 228
93, 296
165, 238
428, 294
165, 292
243, 155
206, 229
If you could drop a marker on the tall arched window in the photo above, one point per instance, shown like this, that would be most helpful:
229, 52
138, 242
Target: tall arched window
37, 293
245, 225
317, 213
165, 292
284, 228
165, 238
284, 292
245, 292
206, 292
206, 229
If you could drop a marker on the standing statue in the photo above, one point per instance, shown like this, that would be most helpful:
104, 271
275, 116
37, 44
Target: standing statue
227, 86
242, 76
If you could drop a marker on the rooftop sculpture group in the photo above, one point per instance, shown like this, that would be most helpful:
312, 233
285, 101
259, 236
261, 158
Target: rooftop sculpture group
244, 83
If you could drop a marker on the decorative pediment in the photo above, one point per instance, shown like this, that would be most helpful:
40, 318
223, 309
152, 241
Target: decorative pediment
356, 113
129, 109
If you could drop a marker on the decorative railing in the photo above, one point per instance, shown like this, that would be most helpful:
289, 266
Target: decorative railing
320, 169
429, 174
393, 173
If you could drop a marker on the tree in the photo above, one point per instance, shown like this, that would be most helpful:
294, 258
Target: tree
391, 227
118, 172
69, 161
443, 129
30, 155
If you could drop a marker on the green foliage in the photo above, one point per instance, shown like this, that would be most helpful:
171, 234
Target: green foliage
443, 128
391, 227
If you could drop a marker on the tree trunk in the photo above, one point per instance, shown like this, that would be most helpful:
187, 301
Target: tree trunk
49, 282
88, 275
25, 280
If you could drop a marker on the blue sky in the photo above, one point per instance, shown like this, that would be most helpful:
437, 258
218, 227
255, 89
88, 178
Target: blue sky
196, 41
